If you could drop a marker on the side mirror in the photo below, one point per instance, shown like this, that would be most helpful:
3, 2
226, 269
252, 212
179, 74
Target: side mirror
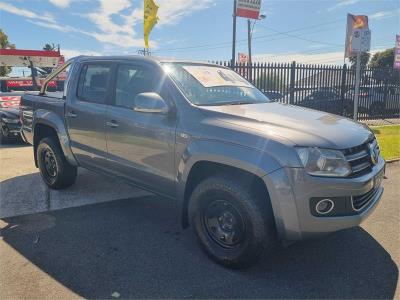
150, 103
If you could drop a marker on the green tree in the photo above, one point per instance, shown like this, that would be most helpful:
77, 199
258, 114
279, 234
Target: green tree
364, 60
382, 67
383, 59
5, 44
49, 47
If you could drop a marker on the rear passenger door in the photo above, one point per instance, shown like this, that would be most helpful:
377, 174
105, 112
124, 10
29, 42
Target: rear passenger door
140, 145
86, 112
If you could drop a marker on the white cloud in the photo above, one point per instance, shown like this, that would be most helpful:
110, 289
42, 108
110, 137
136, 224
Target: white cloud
26, 13
116, 21
380, 15
342, 3
172, 11
123, 33
70, 53
333, 57
109, 31
55, 26
320, 58
61, 3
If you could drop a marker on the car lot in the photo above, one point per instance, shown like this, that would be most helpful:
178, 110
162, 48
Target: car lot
134, 247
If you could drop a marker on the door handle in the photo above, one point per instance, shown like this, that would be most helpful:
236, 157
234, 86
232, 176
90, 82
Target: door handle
112, 124
71, 114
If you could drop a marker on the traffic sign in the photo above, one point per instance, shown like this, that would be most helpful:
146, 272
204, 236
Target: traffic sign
361, 40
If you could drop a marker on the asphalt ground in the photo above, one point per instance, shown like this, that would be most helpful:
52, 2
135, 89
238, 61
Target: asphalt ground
134, 247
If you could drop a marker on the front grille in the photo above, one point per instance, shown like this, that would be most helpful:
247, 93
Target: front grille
359, 158
359, 202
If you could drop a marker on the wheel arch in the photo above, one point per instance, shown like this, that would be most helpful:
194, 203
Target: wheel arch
207, 158
46, 124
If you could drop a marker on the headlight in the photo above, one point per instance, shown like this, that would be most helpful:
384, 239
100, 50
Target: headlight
11, 121
323, 162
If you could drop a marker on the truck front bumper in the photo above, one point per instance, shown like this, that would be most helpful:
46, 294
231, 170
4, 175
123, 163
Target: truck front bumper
294, 195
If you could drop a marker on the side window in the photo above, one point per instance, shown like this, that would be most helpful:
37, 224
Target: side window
93, 83
131, 81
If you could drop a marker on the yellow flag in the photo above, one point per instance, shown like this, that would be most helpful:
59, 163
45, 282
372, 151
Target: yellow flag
150, 19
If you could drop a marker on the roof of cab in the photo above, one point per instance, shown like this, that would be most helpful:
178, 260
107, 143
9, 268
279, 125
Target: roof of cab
153, 59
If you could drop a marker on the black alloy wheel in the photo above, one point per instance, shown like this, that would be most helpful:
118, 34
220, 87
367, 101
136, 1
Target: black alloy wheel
224, 224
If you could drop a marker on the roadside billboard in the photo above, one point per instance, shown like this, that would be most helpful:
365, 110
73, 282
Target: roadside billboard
354, 23
22, 58
249, 9
397, 53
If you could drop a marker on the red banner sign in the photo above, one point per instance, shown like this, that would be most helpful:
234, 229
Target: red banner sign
9, 101
26, 83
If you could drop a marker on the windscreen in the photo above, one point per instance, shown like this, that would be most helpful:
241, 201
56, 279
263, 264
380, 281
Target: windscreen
213, 85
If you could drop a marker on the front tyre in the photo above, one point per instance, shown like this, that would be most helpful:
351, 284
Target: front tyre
233, 224
2, 135
55, 170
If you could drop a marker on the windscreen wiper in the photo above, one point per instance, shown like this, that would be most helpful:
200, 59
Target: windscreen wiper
228, 103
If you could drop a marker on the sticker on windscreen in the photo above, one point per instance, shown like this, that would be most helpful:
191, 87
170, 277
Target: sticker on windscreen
213, 76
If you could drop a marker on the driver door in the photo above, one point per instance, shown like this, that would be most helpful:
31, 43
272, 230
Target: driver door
140, 145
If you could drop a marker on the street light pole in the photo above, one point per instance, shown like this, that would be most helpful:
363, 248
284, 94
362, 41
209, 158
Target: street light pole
249, 38
234, 36
250, 28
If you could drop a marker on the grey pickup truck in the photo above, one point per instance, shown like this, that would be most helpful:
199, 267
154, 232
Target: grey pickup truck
248, 173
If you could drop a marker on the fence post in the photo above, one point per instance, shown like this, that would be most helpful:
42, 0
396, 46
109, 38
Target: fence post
385, 95
343, 87
292, 79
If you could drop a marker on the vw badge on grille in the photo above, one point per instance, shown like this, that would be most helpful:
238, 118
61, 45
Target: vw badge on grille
373, 151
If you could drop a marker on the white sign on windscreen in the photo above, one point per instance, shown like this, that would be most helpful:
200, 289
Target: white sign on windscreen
213, 76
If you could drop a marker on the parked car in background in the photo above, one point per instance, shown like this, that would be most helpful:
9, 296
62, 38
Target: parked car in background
376, 100
246, 172
328, 100
273, 95
10, 125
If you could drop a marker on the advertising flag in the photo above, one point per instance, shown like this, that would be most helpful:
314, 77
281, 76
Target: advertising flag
354, 23
150, 19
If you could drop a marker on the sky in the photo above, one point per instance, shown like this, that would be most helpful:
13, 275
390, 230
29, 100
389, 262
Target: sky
306, 31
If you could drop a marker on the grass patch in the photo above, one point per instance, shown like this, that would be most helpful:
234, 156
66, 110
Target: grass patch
389, 140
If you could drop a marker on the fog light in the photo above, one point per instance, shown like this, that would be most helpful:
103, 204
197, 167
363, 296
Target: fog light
324, 206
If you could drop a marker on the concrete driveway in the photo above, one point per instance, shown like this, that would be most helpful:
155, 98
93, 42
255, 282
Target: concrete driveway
135, 248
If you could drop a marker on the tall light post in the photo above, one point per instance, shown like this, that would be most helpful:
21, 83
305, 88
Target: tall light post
250, 28
234, 36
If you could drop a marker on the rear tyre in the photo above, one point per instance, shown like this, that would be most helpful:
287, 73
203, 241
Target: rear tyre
55, 170
233, 224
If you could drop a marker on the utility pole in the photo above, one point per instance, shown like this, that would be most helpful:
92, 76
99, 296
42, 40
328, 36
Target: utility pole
249, 38
357, 87
250, 28
234, 36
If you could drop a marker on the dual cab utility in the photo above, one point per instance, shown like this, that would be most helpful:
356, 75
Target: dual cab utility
247, 172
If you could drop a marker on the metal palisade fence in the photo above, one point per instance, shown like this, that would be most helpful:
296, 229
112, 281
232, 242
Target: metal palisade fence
327, 87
